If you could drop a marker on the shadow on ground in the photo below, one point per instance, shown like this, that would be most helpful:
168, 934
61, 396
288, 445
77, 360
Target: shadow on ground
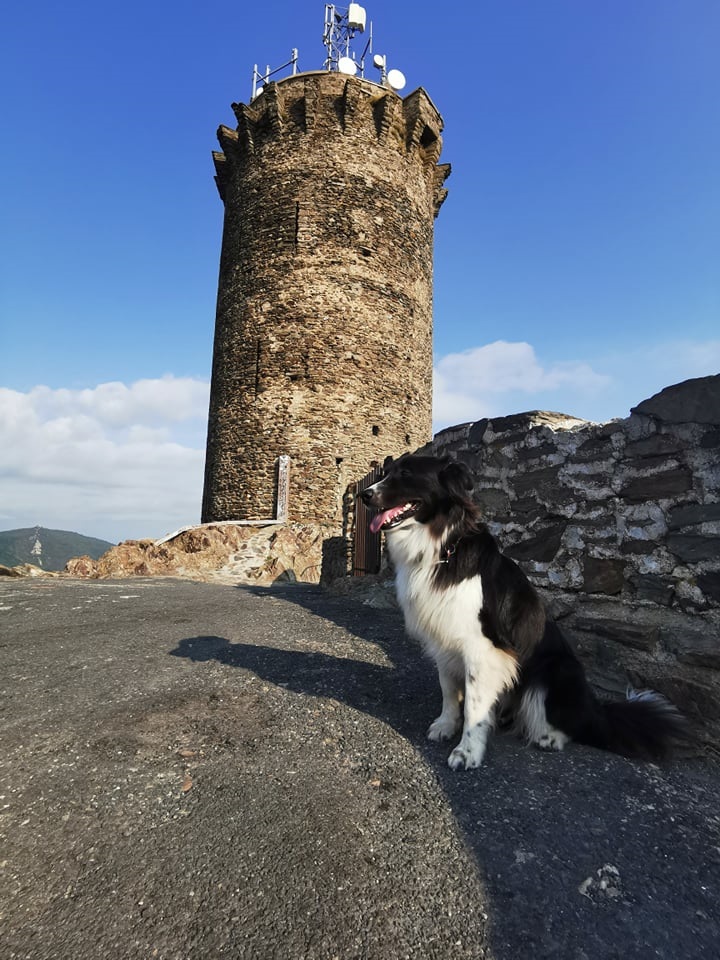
582, 854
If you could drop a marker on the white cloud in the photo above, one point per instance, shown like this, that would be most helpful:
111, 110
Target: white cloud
167, 399
115, 461
500, 378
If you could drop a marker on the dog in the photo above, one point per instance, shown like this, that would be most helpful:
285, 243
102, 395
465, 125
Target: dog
479, 618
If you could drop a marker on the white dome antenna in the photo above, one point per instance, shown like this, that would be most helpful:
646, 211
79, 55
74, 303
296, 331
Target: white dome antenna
348, 66
396, 79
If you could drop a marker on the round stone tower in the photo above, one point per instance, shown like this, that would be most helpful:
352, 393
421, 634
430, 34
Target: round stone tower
323, 337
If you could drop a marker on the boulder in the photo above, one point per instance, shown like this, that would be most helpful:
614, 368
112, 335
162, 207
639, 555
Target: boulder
692, 401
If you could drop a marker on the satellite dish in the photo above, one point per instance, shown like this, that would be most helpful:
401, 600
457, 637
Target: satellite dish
259, 89
396, 79
347, 65
379, 61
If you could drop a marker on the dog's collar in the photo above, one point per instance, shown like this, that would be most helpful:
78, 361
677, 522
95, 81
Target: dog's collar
448, 551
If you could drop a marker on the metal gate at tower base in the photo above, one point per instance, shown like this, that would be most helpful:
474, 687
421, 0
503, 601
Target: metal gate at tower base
367, 546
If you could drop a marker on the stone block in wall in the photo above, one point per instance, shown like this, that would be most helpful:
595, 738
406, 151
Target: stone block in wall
601, 663
538, 482
530, 509
639, 636
709, 583
597, 530
447, 437
595, 448
603, 575
536, 452
710, 440
658, 486
649, 463
642, 548
519, 424
493, 501
477, 432
653, 588
693, 548
657, 445
513, 427
692, 644
691, 514
588, 486
695, 699
542, 547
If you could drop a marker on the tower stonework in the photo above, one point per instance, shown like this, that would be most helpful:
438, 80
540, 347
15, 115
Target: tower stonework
323, 337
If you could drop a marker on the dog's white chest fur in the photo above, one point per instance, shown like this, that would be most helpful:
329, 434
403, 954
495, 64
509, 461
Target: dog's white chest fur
443, 619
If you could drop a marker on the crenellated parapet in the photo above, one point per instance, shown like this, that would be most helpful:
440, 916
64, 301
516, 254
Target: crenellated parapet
329, 105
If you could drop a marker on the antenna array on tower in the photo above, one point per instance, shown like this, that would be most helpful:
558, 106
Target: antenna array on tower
342, 26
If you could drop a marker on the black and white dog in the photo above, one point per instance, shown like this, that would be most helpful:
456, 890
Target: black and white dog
476, 614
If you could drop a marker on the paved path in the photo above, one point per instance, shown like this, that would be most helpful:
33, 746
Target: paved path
195, 771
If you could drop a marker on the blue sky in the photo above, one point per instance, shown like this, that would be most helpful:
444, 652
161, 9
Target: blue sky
576, 258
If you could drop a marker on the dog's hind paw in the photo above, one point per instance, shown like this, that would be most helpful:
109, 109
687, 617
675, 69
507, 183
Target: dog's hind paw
443, 728
553, 740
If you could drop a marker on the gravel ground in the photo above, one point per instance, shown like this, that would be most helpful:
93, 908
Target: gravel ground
191, 770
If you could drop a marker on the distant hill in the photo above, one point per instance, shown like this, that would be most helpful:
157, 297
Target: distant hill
49, 549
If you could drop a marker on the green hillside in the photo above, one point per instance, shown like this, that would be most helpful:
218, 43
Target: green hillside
49, 549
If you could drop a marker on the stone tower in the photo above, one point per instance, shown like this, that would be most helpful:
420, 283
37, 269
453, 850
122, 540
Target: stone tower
323, 337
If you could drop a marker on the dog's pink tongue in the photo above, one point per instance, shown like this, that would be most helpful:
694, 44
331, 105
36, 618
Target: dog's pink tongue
380, 519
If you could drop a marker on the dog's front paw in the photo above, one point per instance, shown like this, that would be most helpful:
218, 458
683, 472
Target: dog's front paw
443, 728
464, 758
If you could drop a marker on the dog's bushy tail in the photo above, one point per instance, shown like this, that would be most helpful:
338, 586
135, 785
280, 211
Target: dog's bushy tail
644, 726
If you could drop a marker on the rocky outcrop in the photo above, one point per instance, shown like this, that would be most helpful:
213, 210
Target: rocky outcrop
26, 570
239, 553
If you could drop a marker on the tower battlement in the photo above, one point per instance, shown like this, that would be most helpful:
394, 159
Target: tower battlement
324, 104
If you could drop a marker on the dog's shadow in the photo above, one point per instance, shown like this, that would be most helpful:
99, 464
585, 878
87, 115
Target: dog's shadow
399, 690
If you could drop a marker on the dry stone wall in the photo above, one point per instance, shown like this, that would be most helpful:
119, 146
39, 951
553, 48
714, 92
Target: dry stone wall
618, 524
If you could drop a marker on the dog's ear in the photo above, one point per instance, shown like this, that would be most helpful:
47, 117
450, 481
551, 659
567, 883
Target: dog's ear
456, 478
387, 463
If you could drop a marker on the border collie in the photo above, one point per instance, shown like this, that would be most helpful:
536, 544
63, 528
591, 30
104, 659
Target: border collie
479, 618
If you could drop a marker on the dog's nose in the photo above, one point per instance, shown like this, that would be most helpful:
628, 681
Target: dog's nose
366, 496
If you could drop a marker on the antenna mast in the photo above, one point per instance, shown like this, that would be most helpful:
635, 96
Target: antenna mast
341, 27
260, 79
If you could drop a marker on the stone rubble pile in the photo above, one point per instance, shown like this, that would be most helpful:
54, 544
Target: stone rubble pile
238, 553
